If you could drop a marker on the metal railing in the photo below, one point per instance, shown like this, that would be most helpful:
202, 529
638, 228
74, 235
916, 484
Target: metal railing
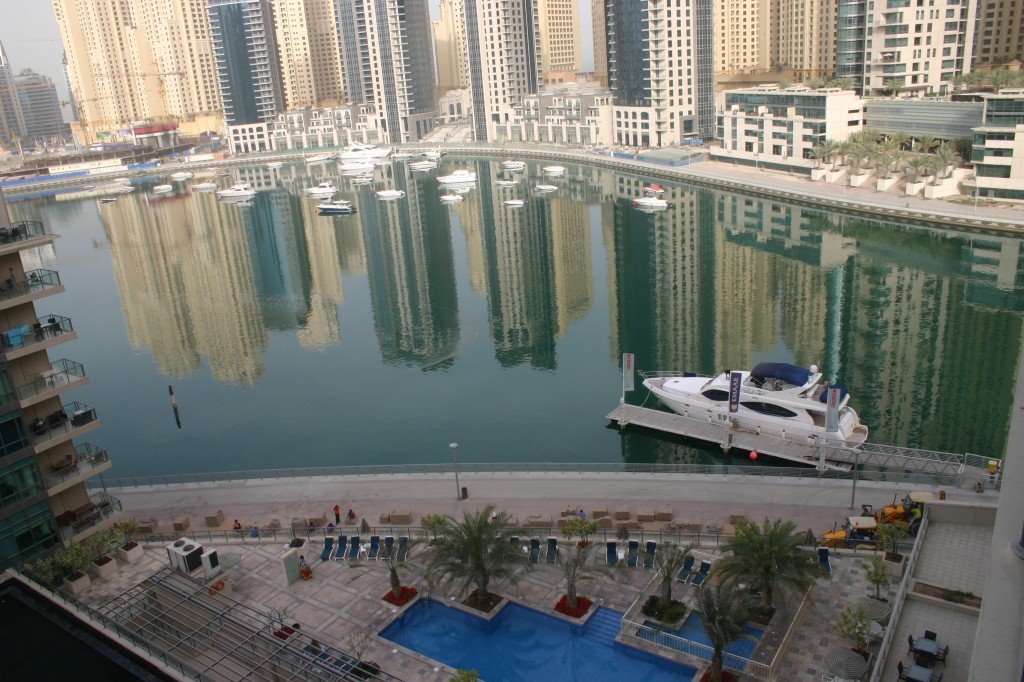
70, 417
61, 373
87, 456
106, 506
21, 231
44, 329
35, 280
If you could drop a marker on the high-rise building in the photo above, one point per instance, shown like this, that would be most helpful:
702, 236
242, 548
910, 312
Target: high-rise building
40, 106
897, 47
743, 36
663, 86
600, 42
42, 472
1000, 34
350, 52
12, 123
559, 40
503, 40
450, 46
310, 54
803, 37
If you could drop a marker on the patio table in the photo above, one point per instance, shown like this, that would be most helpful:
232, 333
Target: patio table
926, 646
918, 673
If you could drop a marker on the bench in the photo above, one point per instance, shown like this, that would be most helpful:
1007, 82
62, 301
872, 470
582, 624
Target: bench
182, 523
215, 520
645, 517
663, 515
599, 514
604, 522
403, 519
622, 515
148, 527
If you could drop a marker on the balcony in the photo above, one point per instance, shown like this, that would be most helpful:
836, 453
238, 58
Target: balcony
48, 331
98, 509
37, 284
62, 375
27, 234
89, 459
71, 420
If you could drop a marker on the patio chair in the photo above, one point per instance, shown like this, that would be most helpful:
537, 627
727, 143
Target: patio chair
687, 570
824, 560
403, 548
901, 670
342, 546
374, 547
632, 553
702, 574
928, 634
353, 548
652, 547
534, 550
387, 548
552, 552
328, 548
612, 557
941, 656
513, 540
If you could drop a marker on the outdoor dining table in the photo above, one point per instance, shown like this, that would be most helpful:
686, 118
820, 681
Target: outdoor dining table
919, 673
923, 645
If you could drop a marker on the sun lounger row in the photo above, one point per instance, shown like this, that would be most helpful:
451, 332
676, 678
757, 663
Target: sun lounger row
353, 548
632, 554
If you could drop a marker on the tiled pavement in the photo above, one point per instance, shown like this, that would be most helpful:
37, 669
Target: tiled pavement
955, 556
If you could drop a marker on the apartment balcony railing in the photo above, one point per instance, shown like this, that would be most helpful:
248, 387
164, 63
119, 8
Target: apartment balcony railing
22, 235
69, 418
88, 456
101, 506
61, 373
46, 328
35, 281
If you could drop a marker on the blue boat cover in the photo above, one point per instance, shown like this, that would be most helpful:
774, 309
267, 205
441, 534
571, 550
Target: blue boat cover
843, 391
792, 374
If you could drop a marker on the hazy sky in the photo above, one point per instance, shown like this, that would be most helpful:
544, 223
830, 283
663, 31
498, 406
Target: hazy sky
30, 36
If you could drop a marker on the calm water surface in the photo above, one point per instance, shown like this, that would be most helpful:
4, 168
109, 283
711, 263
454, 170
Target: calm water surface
298, 340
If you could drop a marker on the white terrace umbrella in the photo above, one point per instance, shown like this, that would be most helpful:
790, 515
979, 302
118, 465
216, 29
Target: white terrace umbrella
874, 609
846, 663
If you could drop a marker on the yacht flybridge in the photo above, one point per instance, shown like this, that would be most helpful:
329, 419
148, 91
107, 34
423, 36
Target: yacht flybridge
776, 399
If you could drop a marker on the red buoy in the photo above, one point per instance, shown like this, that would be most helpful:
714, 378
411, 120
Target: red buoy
753, 455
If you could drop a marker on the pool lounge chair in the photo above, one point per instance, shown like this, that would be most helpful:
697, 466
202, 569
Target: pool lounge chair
328, 548
388, 547
534, 550
652, 547
824, 560
353, 548
403, 548
552, 550
612, 557
374, 547
339, 553
687, 570
702, 574
632, 553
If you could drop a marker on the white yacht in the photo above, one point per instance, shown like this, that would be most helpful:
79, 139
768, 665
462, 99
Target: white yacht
355, 167
204, 187
451, 198
433, 154
505, 183
336, 207
239, 190
323, 190
546, 189
402, 156
364, 151
516, 166
122, 181
650, 203
554, 170
776, 399
363, 179
514, 203
162, 189
108, 200
318, 158
125, 189
458, 177
274, 164
425, 165
181, 176
390, 194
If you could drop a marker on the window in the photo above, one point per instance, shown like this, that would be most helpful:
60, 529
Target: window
769, 409
716, 394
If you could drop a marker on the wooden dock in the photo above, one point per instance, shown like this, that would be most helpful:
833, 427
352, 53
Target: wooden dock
837, 457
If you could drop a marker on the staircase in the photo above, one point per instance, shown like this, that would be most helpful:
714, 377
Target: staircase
604, 626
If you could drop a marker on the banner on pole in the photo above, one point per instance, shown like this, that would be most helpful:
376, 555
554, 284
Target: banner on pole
832, 410
735, 382
627, 372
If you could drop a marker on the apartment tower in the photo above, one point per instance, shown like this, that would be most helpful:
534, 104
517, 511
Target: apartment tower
307, 36
559, 40
12, 123
37, 99
450, 47
1000, 34
600, 42
743, 32
803, 37
44, 498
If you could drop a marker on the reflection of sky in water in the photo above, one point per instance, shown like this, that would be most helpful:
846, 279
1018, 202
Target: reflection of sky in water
298, 340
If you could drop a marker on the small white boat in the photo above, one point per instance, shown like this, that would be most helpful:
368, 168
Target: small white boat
204, 187
362, 180
223, 175
650, 203
324, 189
554, 170
86, 188
517, 166
421, 166
545, 189
434, 154
108, 200
402, 156
390, 194
653, 190
465, 188
451, 198
181, 176
162, 189
355, 167
274, 164
125, 189
458, 177
318, 158
514, 203
122, 181
364, 151
239, 190
505, 183
336, 207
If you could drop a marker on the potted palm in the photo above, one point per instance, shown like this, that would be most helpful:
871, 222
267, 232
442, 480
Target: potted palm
668, 561
877, 575
73, 558
399, 595
433, 524
575, 565
103, 565
128, 551
890, 535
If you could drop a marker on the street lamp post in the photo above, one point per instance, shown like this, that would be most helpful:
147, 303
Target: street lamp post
455, 462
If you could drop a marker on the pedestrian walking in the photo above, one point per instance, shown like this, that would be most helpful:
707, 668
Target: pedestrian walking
337, 514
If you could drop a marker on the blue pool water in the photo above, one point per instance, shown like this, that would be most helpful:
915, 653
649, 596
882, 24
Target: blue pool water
693, 630
523, 644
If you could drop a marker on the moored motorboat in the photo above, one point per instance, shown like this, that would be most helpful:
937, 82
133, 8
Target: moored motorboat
362, 179
516, 166
425, 165
318, 158
390, 194
433, 154
336, 207
775, 399
364, 151
181, 176
239, 190
204, 187
223, 175
458, 177
650, 203
546, 189
324, 189
514, 203
355, 167
505, 183
554, 170
451, 198
653, 190
402, 156
162, 189
122, 181
125, 189
108, 200
274, 164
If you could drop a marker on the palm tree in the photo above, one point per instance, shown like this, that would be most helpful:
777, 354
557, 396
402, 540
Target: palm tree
574, 561
768, 556
819, 153
887, 159
842, 150
726, 608
919, 166
901, 140
999, 79
958, 81
390, 559
668, 560
946, 156
926, 143
892, 87
474, 551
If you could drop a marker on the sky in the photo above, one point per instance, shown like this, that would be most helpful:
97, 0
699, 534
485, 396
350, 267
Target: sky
31, 38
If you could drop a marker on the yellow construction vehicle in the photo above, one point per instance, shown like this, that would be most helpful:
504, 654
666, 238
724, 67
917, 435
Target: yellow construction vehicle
857, 533
909, 510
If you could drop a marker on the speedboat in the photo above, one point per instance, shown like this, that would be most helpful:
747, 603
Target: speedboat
553, 170
433, 154
653, 190
204, 187
514, 203
108, 200
87, 188
274, 164
458, 177
364, 151
181, 176
355, 167
650, 203
318, 158
125, 189
324, 189
336, 207
122, 181
505, 183
775, 399
423, 165
239, 190
451, 198
362, 179
223, 175
162, 189
390, 194
402, 156
517, 166
545, 189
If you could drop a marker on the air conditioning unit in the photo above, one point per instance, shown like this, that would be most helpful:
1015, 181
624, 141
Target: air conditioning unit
211, 564
185, 555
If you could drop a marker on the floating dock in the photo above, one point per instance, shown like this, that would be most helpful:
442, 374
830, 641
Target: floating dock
966, 467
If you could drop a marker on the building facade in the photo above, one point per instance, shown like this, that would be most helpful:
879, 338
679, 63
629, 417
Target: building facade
899, 47
942, 119
309, 51
559, 38
12, 123
743, 32
600, 42
663, 86
43, 496
40, 106
326, 127
572, 115
999, 39
803, 37
450, 46
998, 154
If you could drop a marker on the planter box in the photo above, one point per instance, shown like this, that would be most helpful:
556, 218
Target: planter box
944, 188
836, 175
104, 570
81, 584
885, 184
818, 174
914, 188
895, 568
858, 180
130, 556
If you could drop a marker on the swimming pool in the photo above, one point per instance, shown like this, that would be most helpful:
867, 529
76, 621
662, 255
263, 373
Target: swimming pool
693, 630
523, 644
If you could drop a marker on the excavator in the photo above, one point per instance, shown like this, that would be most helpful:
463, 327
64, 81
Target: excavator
862, 530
